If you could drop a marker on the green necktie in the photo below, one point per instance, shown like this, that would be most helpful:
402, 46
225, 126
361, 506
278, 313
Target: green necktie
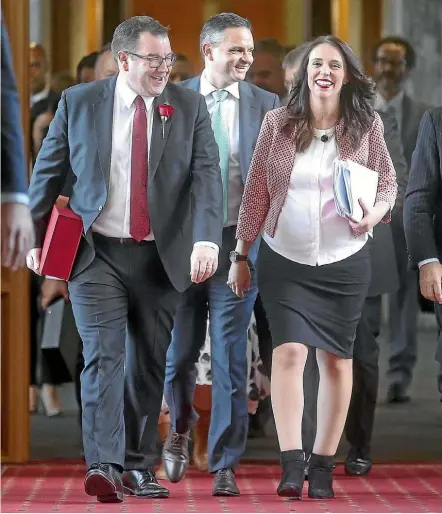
222, 138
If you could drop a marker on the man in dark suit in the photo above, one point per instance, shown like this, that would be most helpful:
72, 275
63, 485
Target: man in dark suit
148, 189
17, 233
423, 216
384, 279
360, 418
237, 109
394, 59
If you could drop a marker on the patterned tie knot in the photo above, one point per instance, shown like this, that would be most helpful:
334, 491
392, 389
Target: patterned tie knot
139, 103
220, 95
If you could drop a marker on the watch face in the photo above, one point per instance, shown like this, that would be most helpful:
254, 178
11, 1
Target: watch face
233, 256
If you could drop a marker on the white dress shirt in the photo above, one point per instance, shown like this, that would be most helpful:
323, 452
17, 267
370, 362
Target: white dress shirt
309, 229
395, 106
230, 115
114, 219
41, 95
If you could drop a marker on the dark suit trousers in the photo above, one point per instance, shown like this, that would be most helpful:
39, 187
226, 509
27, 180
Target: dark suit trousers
124, 305
404, 308
438, 356
360, 418
229, 321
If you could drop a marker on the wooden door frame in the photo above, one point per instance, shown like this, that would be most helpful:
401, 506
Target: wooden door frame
15, 342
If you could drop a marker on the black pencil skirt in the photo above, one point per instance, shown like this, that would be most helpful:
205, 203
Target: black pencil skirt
318, 306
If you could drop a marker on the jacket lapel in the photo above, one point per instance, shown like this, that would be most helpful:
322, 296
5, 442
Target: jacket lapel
249, 124
103, 121
158, 142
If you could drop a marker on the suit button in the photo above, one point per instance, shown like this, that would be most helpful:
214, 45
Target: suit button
100, 208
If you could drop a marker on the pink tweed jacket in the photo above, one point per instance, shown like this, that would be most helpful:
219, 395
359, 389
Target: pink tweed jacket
272, 163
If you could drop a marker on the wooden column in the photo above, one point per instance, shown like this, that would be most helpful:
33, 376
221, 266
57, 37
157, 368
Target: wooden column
371, 29
15, 286
340, 17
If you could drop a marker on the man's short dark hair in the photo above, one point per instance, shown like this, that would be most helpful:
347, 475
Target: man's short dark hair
270, 46
88, 61
410, 54
294, 56
181, 58
213, 30
127, 34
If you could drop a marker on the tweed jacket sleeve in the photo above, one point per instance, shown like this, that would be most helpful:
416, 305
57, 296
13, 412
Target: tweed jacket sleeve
379, 160
256, 199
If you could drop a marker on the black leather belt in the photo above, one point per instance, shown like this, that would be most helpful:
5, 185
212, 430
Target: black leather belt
125, 241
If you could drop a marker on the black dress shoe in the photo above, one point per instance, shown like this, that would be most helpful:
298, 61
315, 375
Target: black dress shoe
176, 455
224, 483
143, 484
320, 477
357, 466
396, 394
104, 482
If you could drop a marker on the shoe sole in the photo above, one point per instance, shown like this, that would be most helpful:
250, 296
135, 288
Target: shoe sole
319, 496
224, 493
131, 492
290, 492
103, 489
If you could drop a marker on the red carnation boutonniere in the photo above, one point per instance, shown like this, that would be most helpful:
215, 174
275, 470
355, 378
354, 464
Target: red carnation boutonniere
166, 112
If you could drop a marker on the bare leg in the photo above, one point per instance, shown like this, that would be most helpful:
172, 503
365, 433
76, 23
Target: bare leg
334, 394
288, 393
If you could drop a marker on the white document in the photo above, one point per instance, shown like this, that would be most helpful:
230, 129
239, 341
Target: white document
352, 181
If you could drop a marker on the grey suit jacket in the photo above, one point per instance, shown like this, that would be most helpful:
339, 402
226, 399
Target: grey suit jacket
423, 199
412, 112
254, 102
184, 179
384, 278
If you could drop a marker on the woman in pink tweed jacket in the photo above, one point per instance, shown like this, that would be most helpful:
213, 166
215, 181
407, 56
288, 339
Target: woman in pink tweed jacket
314, 265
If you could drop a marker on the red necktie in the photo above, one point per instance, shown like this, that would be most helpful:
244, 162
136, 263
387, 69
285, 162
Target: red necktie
139, 214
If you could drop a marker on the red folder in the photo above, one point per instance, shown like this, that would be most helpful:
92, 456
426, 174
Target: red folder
61, 242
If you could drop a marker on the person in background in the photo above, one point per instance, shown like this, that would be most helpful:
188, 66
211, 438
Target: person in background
237, 109
394, 59
290, 65
182, 69
86, 68
423, 216
105, 65
17, 232
266, 71
314, 266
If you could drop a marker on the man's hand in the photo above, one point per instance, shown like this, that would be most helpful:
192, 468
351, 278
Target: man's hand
203, 263
33, 260
372, 216
430, 280
17, 234
51, 290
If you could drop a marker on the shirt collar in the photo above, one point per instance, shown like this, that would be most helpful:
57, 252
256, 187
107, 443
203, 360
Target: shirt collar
382, 104
128, 95
41, 95
206, 88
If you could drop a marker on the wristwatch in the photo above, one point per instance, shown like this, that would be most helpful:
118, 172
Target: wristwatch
237, 257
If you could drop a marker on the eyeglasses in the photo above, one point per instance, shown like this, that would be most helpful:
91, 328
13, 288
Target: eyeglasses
394, 64
156, 61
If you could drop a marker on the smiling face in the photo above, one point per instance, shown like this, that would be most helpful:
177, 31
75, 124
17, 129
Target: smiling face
230, 60
143, 79
326, 72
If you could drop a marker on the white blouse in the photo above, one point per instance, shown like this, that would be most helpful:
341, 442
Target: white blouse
309, 229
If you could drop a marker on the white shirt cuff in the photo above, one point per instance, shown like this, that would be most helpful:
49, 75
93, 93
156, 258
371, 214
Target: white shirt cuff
427, 261
15, 198
54, 278
207, 243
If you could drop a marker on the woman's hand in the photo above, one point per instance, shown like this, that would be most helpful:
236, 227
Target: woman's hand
372, 216
239, 278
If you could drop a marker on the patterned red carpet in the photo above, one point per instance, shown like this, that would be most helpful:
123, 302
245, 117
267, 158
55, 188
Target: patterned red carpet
58, 487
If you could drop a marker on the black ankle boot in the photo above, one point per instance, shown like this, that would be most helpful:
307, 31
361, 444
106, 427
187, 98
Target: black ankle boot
293, 474
320, 478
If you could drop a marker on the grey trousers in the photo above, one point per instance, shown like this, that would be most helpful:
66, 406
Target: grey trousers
123, 305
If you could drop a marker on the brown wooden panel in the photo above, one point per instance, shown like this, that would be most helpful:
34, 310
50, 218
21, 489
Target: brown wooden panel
15, 286
371, 29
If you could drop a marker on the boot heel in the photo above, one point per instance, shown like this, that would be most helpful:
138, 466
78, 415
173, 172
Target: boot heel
116, 497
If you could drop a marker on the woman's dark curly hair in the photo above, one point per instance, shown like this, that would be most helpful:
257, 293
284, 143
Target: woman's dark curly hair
356, 111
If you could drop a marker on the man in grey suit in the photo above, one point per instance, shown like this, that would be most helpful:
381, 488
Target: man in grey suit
423, 216
17, 233
394, 59
148, 189
237, 109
